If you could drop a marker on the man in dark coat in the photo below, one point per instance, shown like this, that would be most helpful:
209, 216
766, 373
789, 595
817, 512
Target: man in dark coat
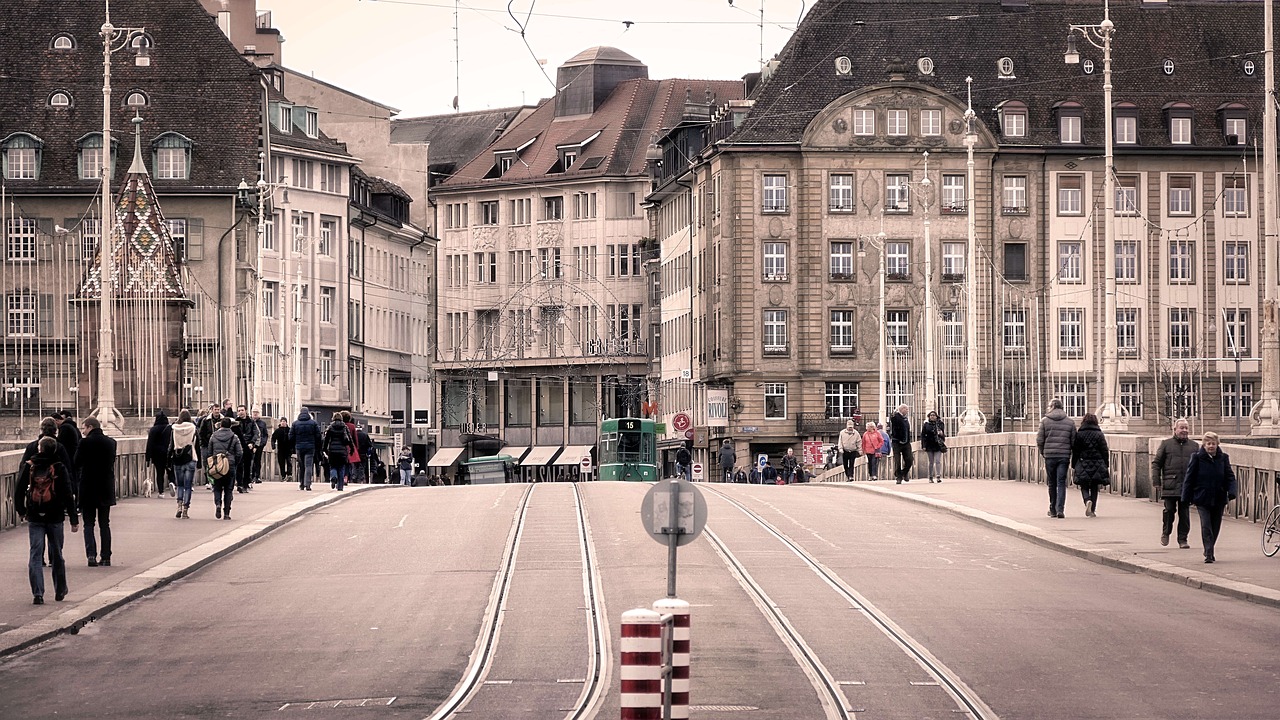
258, 452
727, 457
159, 438
900, 437
1056, 437
247, 431
365, 445
95, 462
683, 461
283, 446
1168, 467
208, 424
68, 436
305, 435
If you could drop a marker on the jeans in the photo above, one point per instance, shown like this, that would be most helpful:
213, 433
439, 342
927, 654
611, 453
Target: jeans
873, 465
1057, 469
1090, 494
935, 463
183, 476
904, 459
38, 533
222, 492
306, 464
1210, 526
406, 476
1175, 506
337, 472
100, 514
847, 459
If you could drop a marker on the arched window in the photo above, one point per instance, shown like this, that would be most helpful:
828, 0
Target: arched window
172, 154
136, 98
1070, 119
60, 99
21, 153
63, 41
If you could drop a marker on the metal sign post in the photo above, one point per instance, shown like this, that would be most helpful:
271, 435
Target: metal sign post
674, 513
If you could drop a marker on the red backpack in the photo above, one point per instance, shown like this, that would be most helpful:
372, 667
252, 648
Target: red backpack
42, 489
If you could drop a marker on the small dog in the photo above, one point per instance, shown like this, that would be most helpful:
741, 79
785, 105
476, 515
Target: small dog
148, 487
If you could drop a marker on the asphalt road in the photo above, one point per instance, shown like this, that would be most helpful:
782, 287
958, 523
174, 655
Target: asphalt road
382, 596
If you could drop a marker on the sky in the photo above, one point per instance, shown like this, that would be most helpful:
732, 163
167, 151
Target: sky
401, 52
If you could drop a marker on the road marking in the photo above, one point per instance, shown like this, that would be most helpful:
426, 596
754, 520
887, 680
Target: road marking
406, 517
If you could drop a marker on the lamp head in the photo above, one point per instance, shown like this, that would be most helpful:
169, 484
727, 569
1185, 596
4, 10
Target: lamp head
1072, 55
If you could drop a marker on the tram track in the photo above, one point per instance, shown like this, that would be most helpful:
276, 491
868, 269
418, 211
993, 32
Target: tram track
828, 688
484, 656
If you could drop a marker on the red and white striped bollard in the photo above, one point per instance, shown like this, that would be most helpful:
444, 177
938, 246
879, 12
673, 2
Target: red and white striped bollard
679, 609
641, 667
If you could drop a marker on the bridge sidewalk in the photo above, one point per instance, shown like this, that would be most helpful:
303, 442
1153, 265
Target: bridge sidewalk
1126, 532
150, 548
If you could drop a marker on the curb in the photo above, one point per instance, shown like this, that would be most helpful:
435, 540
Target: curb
1103, 556
148, 581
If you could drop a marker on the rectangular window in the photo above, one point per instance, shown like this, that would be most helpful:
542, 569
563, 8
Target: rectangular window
624, 260
584, 206
330, 178
489, 212
327, 295
842, 260
897, 260
774, 194
1182, 400
1069, 193
1015, 124
1235, 128
1127, 195
1237, 402
1236, 332
1180, 337
897, 193
1127, 332
301, 223
898, 123
1127, 261
20, 243
1014, 198
842, 400
302, 174
897, 332
1180, 195
864, 121
520, 211
840, 197
953, 254
842, 331
521, 262
328, 234
1126, 130
327, 374
775, 261
930, 122
1131, 398
91, 235
1181, 262
1072, 395
1015, 331
898, 392
549, 263
553, 208
775, 401
91, 162
775, 332
954, 197
1070, 262
22, 314
20, 163
952, 331
1015, 261
1180, 130
1069, 129
269, 299
1235, 263
1235, 196
1070, 333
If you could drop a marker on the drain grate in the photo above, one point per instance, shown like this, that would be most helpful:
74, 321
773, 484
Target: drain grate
331, 704
723, 708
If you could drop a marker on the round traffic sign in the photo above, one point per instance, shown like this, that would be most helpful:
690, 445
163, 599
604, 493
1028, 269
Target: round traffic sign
688, 434
585, 463
698, 472
691, 513
681, 422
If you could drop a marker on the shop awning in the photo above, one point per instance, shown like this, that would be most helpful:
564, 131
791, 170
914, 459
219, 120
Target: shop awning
573, 454
444, 457
540, 454
516, 452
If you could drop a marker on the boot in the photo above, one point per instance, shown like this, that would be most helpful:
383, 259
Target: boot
185, 508
226, 514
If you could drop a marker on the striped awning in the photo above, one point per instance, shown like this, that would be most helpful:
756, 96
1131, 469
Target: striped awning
540, 454
445, 457
573, 454
516, 452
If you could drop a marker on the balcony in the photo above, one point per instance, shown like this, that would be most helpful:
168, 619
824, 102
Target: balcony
842, 277
808, 424
952, 277
1013, 210
775, 277
776, 350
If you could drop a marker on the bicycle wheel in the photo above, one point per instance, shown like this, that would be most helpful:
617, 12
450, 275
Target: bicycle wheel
1271, 533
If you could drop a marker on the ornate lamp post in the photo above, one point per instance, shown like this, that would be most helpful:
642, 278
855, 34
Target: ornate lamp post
972, 420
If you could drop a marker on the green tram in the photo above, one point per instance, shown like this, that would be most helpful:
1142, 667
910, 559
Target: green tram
629, 450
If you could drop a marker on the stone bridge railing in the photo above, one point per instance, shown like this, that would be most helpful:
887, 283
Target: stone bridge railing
1013, 456
131, 467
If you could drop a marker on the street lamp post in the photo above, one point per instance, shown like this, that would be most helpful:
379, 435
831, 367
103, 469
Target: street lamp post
972, 421
1265, 415
926, 199
1111, 415
878, 243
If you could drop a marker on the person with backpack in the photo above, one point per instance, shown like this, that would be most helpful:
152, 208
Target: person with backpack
304, 435
220, 463
159, 440
95, 464
337, 447
182, 455
43, 498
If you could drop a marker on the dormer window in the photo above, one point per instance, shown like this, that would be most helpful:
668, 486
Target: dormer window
63, 42
1235, 124
21, 155
312, 128
1013, 119
59, 99
1126, 124
1180, 117
136, 99
282, 117
568, 158
505, 162
1070, 119
172, 155
90, 156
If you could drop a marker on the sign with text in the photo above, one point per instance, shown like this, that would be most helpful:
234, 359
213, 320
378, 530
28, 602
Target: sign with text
812, 452
718, 408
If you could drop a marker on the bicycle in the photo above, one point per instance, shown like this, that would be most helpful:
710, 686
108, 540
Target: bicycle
1271, 532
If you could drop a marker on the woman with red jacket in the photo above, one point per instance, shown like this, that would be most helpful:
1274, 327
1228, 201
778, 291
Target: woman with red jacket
871, 446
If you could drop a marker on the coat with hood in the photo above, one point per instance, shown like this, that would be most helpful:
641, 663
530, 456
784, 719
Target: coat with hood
353, 450
64, 504
405, 460
184, 434
225, 440
1169, 466
159, 439
849, 441
1057, 435
727, 457
305, 433
69, 437
95, 465
1090, 456
1210, 481
338, 443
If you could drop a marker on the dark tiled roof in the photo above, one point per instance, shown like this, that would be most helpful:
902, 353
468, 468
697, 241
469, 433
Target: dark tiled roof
627, 120
298, 139
197, 84
1207, 40
456, 138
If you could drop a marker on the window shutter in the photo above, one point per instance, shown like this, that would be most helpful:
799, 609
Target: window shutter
195, 238
44, 315
44, 238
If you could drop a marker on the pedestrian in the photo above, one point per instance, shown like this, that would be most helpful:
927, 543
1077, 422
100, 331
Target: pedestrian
304, 435
69, 439
933, 440
49, 428
1056, 438
43, 498
182, 454
250, 440
337, 447
740, 477
1209, 485
261, 448
1168, 468
850, 445
224, 441
364, 468
353, 450
727, 457
754, 477
769, 475
900, 436
95, 463
405, 462
211, 421
283, 445
159, 441
872, 444
788, 467
1090, 462
683, 461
